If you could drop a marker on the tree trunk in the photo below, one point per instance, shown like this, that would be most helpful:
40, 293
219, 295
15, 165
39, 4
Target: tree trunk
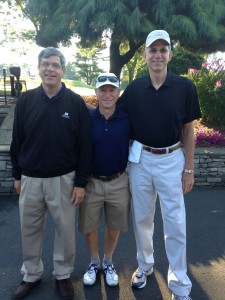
117, 61
115, 58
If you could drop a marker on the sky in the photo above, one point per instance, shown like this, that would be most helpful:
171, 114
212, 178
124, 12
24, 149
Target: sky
18, 53
13, 52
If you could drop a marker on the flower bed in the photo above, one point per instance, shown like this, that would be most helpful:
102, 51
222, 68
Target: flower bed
92, 100
208, 137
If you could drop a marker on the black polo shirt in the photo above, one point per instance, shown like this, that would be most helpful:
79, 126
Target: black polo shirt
110, 142
157, 116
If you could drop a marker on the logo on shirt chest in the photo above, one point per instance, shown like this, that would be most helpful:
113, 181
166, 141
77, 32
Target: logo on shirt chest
66, 115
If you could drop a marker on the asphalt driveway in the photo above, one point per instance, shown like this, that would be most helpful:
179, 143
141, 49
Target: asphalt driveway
205, 252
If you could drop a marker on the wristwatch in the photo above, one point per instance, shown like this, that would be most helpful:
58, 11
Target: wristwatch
188, 171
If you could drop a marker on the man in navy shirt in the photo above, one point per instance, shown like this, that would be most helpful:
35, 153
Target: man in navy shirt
108, 184
161, 108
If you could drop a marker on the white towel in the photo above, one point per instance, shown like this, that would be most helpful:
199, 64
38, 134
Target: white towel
135, 152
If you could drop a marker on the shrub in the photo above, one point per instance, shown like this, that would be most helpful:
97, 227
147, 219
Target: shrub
183, 60
210, 84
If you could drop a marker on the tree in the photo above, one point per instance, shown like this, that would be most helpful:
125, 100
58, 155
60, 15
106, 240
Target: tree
86, 63
133, 68
70, 72
10, 33
196, 24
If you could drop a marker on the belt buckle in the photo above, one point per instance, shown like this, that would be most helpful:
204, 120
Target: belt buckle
108, 178
155, 151
160, 151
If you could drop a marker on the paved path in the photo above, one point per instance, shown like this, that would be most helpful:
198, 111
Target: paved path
206, 255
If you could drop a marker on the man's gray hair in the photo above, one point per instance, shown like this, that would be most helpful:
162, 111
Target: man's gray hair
47, 52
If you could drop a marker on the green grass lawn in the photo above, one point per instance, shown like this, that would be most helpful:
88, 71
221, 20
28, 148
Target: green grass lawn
77, 83
33, 82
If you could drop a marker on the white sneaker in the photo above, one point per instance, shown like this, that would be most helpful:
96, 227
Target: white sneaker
90, 276
176, 297
139, 278
111, 276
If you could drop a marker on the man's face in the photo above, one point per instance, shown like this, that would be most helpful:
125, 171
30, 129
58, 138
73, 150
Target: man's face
51, 71
157, 56
107, 96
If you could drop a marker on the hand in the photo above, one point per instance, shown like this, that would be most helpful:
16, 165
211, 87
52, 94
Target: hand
78, 195
17, 186
187, 182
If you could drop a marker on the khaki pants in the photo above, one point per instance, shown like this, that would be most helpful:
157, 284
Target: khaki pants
37, 196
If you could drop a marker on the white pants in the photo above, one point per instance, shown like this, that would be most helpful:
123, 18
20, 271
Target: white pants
161, 174
37, 196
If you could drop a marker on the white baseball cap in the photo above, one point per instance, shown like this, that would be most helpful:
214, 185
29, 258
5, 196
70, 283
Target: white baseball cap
107, 78
157, 35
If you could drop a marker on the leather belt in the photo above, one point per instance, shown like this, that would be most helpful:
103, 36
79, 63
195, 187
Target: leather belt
162, 150
108, 178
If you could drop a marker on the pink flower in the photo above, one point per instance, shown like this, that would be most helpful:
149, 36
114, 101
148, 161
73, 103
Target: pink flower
204, 65
193, 70
219, 84
209, 136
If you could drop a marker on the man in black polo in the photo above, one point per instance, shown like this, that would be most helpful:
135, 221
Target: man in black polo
108, 187
162, 108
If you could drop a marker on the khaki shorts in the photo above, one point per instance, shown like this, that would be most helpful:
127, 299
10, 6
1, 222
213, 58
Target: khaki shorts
113, 196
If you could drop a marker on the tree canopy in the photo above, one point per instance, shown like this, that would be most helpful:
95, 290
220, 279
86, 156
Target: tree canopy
197, 25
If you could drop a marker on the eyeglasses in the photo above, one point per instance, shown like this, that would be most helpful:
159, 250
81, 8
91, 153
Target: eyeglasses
105, 78
53, 65
162, 50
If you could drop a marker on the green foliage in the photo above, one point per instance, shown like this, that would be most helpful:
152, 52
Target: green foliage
70, 72
132, 68
86, 63
183, 60
210, 84
195, 24
142, 70
10, 15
